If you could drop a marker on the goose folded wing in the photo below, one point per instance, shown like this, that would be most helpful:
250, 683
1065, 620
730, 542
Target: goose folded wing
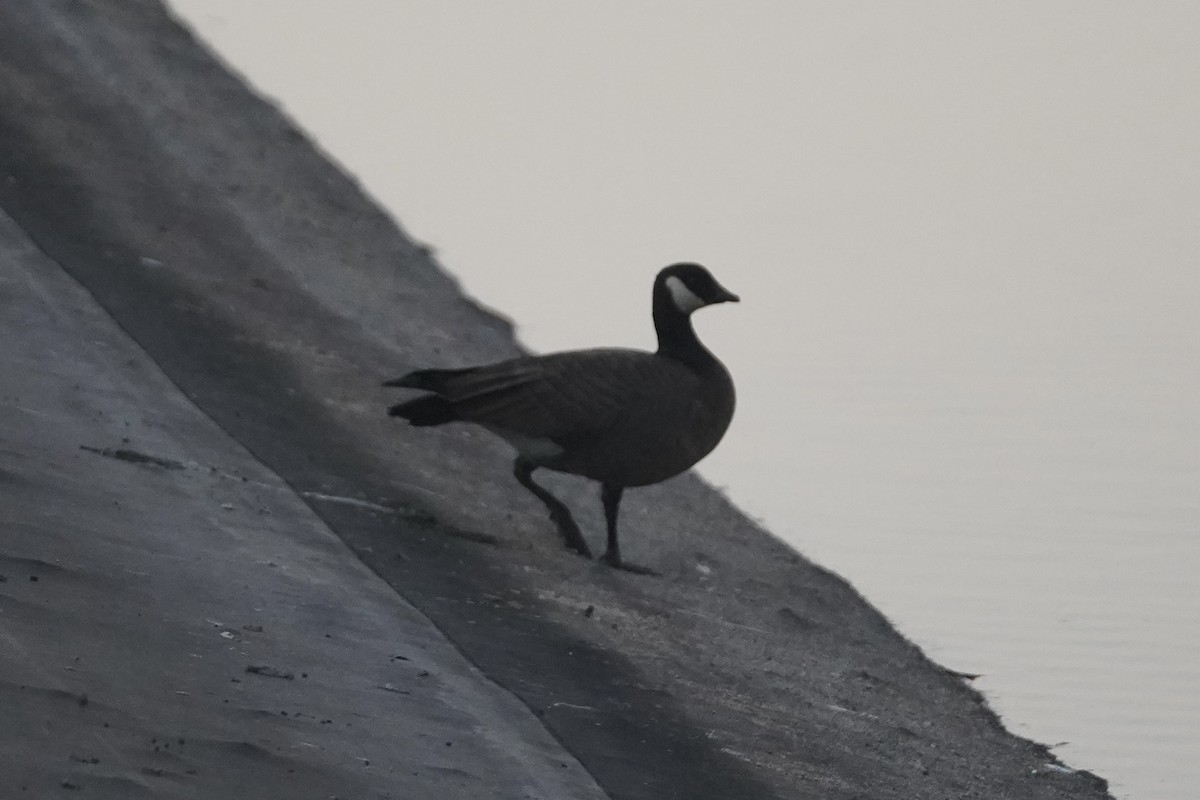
567, 396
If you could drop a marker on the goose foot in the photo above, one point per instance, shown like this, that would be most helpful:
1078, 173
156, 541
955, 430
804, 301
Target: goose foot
616, 562
572, 537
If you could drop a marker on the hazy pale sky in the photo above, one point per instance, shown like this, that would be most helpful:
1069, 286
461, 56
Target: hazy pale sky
967, 241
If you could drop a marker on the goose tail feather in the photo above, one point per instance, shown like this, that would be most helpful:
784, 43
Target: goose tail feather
429, 380
424, 412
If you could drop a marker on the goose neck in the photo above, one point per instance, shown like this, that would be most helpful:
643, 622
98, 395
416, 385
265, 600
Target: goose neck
676, 337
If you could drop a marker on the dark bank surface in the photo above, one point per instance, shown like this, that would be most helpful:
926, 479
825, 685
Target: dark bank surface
275, 296
175, 622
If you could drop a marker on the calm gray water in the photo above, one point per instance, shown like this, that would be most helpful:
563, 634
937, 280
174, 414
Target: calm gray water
967, 240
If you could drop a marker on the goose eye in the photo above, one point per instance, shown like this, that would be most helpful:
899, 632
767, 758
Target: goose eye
684, 298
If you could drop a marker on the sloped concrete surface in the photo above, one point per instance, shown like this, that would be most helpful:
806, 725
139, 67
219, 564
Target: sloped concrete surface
275, 297
182, 625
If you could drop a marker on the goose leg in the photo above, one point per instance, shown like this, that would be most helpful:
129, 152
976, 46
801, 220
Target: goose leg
560, 515
610, 496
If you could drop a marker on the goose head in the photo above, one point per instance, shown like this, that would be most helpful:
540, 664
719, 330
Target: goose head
688, 287
679, 290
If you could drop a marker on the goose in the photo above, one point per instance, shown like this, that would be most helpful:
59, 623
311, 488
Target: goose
621, 417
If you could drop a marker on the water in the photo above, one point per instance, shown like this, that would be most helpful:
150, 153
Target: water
967, 241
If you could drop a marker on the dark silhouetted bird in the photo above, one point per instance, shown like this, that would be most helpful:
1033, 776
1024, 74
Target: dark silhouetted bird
621, 417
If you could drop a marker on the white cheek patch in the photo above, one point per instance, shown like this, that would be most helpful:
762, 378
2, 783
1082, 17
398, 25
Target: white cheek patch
684, 298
